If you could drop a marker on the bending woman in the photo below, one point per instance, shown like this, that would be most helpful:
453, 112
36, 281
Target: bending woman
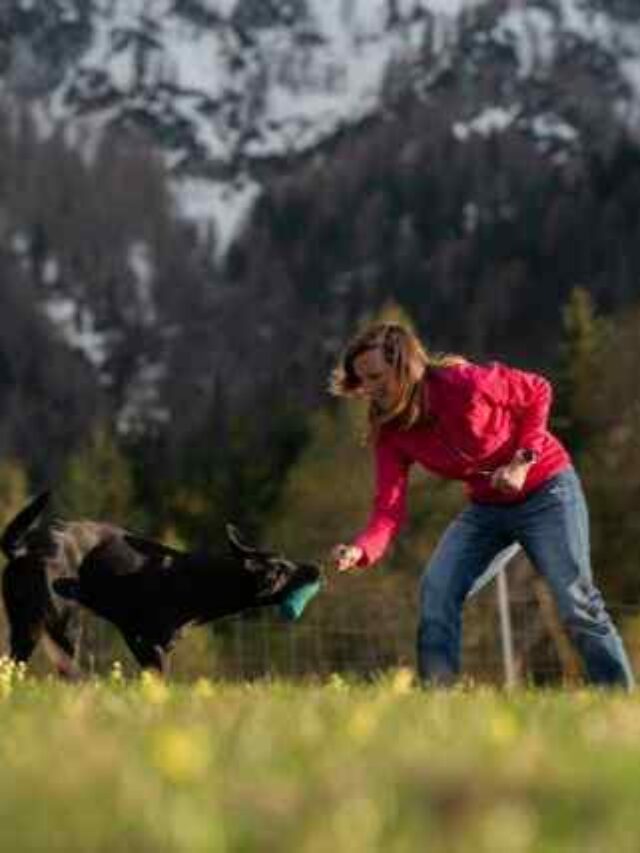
487, 426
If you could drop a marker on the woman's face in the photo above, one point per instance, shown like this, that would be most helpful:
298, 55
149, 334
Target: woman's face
378, 380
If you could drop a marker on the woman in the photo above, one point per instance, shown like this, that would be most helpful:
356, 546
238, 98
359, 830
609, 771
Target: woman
487, 426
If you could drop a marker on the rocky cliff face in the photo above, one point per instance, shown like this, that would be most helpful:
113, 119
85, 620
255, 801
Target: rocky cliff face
227, 86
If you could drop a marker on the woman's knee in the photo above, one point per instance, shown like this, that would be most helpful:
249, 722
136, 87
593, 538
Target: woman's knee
438, 602
580, 605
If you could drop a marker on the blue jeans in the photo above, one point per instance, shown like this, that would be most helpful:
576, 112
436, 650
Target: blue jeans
552, 526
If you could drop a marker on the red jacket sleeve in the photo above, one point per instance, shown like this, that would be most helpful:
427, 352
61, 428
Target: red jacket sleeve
527, 395
389, 506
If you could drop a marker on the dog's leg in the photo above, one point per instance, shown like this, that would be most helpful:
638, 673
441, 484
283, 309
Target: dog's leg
23, 638
148, 655
60, 652
66, 628
79, 643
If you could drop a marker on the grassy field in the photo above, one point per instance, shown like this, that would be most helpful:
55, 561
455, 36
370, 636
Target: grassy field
140, 765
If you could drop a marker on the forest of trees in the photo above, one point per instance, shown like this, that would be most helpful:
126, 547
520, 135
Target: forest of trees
487, 246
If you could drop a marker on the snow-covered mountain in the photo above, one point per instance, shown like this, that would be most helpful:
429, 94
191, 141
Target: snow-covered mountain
227, 86
235, 91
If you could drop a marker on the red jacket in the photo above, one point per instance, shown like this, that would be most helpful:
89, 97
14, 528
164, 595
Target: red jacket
482, 414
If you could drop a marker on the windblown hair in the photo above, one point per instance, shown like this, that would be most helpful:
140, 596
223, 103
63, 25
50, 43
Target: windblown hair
404, 352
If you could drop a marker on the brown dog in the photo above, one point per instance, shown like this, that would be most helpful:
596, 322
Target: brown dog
38, 553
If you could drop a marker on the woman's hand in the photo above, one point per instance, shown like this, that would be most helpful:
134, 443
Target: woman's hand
511, 477
346, 557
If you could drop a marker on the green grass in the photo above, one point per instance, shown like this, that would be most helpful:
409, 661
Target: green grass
138, 765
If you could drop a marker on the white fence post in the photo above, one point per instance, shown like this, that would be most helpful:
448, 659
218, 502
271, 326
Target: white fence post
506, 634
496, 569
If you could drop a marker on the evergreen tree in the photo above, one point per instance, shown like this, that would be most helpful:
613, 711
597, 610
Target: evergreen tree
580, 381
14, 489
97, 481
610, 464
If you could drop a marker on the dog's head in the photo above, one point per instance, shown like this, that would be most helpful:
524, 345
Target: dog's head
275, 575
271, 575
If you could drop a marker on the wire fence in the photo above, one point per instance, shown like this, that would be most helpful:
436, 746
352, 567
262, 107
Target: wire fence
367, 630
365, 625
263, 647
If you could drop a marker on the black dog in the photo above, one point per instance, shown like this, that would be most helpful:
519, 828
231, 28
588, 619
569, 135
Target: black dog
151, 603
38, 553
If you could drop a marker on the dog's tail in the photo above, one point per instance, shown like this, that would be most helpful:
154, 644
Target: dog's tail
15, 531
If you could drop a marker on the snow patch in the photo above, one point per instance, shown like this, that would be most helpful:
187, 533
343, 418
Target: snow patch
142, 267
76, 325
50, 272
549, 126
531, 34
143, 407
212, 204
490, 120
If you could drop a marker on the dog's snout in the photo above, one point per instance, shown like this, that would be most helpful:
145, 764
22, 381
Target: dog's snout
312, 572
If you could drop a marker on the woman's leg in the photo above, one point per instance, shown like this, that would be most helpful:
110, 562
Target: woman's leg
464, 552
553, 528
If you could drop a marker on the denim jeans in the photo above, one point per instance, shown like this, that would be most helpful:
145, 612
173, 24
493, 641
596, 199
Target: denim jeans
552, 526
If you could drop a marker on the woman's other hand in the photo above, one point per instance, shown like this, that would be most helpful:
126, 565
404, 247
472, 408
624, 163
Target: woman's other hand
511, 477
346, 557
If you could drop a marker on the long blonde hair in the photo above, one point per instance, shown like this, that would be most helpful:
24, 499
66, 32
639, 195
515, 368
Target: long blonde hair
403, 351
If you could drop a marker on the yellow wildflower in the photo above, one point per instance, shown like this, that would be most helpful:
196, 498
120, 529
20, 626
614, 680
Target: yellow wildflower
503, 727
154, 690
402, 681
179, 754
203, 688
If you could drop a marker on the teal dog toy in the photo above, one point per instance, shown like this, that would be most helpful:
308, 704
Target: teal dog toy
292, 607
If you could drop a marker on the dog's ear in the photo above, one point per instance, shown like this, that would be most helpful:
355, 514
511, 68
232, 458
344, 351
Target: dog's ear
243, 550
235, 540
151, 548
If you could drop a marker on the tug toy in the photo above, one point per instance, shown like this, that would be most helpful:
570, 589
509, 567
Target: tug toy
292, 607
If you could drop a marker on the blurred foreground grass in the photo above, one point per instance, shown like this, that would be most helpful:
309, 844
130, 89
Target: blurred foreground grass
118, 766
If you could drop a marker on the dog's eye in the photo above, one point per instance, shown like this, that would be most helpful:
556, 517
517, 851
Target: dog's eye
253, 565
